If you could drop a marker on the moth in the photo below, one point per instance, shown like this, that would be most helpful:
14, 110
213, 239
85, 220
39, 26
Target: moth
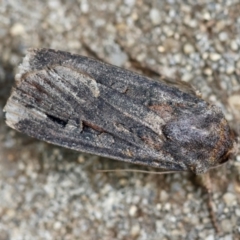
90, 106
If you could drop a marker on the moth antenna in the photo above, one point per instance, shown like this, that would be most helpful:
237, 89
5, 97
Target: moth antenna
136, 170
207, 184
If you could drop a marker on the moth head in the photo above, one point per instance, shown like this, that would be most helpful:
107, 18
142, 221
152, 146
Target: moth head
200, 137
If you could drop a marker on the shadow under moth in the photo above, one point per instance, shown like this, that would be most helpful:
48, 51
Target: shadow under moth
90, 106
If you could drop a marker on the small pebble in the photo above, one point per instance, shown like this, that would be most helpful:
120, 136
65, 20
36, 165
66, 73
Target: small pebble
223, 36
155, 16
229, 198
230, 70
187, 77
133, 210
234, 102
17, 29
129, 2
206, 16
84, 6
205, 55
210, 237
135, 230
208, 71
237, 211
234, 45
168, 31
161, 49
214, 56
226, 225
188, 48
167, 206
57, 225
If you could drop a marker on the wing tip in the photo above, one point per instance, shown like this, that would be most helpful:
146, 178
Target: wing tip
16, 112
13, 114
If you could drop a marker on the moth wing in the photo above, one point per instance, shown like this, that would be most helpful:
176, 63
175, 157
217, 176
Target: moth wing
89, 106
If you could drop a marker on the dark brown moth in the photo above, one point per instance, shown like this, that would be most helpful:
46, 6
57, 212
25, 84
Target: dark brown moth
90, 106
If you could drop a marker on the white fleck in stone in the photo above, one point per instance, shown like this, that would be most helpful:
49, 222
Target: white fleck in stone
168, 31
167, 206
134, 16
228, 237
172, 219
208, 71
237, 211
81, 159
132, 211
189, 67
206, 16
98, 215
223, 36
172, 13
234, 103
159, 226
193, 23
190, 22
84, 6
135, 230
229, 198
159, 206
54, 4
229, 117
155, 16
161, 49
187, 77
214, 56
225, 210
210, 237
17, 29
118, 58
57, 225
188, 48
234, 45
177, 58
205, 55
230, 69
129, 2
213, 98
238, 64
176, 36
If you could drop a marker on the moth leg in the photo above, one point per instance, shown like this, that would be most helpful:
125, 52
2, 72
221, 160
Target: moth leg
207, 184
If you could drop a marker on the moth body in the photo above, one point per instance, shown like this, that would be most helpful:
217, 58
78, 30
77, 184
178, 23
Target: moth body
90, 106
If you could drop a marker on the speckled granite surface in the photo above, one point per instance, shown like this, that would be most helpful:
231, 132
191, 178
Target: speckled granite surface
47, 192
